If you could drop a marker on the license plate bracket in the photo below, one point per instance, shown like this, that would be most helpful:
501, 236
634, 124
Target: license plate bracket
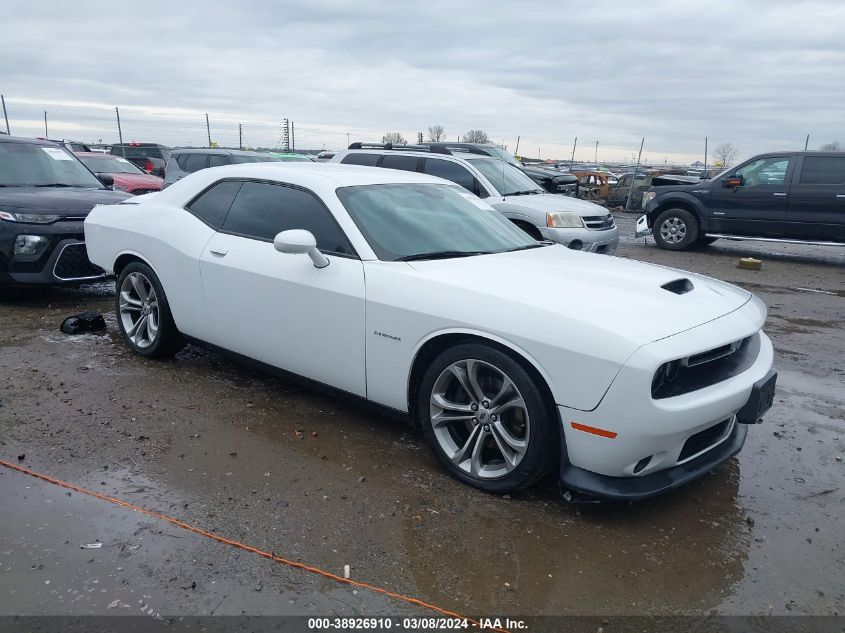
760, 401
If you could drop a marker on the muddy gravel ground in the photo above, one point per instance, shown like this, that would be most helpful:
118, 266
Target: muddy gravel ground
327, 482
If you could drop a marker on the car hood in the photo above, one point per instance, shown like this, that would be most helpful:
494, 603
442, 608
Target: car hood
137, 180
58, 200
546, 202
569, 291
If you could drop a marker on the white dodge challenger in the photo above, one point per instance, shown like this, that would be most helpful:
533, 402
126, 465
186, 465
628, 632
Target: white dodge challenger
514, 357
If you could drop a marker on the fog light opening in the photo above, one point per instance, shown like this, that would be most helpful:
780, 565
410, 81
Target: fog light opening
576, 245
640, 467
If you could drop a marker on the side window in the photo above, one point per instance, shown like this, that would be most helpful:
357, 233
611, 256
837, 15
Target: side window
217, 160
458, 174
195, 162
823, 170
764, 171
370, 160
263, 210
213, 204
181, 159
397, 161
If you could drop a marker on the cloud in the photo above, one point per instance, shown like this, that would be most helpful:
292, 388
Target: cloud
760, 74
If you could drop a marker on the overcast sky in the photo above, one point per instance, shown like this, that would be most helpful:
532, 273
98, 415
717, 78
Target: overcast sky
760, 74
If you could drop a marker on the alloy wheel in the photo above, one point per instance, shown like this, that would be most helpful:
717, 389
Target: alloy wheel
673, 230
479, 418
139, 311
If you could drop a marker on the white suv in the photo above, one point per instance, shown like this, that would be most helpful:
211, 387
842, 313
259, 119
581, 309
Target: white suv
578, 224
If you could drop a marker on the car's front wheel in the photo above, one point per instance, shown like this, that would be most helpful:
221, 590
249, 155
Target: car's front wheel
675, 229
143, 314
486, 419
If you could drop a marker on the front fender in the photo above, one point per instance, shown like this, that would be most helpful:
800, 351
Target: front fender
681, 199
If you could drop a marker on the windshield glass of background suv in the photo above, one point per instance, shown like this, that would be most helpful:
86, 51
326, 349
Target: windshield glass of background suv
109, 165
401, 220
505, 178
501, 154
31, 165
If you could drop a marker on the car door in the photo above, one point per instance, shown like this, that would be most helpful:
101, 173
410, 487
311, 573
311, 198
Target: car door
817, 199
758, 205
278, 308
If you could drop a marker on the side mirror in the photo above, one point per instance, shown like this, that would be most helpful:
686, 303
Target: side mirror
300, 242
733, 181
106, 179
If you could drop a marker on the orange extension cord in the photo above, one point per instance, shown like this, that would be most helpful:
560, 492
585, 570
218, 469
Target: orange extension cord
243, 546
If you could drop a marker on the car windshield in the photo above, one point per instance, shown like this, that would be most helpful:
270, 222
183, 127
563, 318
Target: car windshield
258, 158
109, 165
426, 221
32, 165
505, 178
501, 154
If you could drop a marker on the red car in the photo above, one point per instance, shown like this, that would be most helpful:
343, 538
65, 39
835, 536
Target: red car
126, 176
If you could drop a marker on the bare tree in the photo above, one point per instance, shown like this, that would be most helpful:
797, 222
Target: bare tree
395, 138
835, 146
436, 133
476, 136
726, 154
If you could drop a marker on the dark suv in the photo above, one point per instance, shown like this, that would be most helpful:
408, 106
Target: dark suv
150, 157
45, 194
784, 196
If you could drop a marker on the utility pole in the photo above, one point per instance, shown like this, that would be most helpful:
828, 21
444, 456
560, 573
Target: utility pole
45, 125
208, 129
572, 159
597, 154
5, 116
292, 138
347, 139
806, 143
120, 132
634, 176
286, 135
240, 136
516, 151
705, 157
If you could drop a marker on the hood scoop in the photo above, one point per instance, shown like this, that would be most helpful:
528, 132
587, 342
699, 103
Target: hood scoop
678, 286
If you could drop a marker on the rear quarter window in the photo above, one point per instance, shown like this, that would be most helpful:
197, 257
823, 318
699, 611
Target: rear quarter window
369, 160
212, 205
823, 170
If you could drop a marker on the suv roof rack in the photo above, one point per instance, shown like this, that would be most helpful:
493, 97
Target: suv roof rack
434, 148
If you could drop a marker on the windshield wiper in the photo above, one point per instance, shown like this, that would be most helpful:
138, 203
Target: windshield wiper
527, 192
527, 246
57, 184
441, 255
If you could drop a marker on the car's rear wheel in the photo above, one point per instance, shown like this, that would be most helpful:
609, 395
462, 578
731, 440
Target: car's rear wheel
143, 314
675, 229
486, 419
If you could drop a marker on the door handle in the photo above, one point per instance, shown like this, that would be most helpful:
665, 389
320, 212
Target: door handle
779, 195
840, 195
220, 252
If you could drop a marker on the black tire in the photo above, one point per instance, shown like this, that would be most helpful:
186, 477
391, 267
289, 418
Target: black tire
541, 433
529, 228
705, 241
167, 340
685, 225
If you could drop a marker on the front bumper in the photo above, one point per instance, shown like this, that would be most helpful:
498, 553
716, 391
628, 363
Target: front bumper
603, 242
62, 261
647, 444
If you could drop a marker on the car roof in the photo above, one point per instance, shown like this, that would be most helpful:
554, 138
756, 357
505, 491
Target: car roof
218, 151
411, 152
22, 139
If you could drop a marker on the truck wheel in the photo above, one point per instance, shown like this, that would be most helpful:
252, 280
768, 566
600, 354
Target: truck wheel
675, 229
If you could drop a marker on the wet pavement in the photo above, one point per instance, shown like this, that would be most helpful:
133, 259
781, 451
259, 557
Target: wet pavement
324, 481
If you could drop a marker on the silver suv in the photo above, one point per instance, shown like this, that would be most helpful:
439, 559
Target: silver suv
186, 161
578, 224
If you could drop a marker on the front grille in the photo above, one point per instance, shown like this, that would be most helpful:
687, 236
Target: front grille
73, 263
599, 222
703, 440
707, 368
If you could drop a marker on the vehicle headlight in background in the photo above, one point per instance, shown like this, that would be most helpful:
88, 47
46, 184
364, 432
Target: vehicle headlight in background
648, 196
30, 218
564, 220
117, 187
29, 244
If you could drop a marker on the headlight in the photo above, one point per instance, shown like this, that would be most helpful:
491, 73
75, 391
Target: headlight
564, 220
30, 218
29, 244
117, 187
648, 196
